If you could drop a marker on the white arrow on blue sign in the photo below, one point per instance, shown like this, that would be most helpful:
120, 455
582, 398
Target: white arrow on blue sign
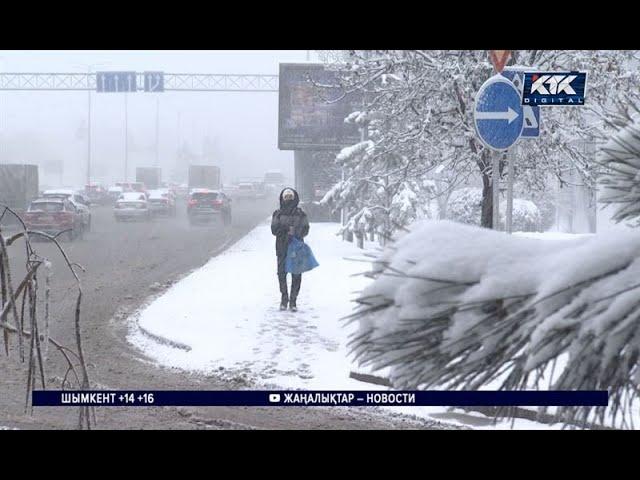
154, 81
498, 113
116, 82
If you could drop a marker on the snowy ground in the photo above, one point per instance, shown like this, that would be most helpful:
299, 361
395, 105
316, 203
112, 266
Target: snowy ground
552, 235
224, 318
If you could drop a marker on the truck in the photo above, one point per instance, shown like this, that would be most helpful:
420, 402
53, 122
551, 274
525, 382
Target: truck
204, 176
19, 185
150, 176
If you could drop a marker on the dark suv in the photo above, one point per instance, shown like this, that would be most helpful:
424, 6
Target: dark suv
206, 205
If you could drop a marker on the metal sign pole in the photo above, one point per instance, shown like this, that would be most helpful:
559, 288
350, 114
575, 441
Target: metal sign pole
495, 189
510, 159
499, 122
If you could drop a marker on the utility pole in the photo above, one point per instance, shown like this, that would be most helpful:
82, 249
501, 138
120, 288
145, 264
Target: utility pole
193, 135
126, 139
157, 131
89, 133
179, 150
2, 116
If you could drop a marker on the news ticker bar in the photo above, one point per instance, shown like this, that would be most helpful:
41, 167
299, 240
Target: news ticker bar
315, 398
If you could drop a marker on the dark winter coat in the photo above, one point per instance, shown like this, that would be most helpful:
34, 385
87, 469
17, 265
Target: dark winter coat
288, 215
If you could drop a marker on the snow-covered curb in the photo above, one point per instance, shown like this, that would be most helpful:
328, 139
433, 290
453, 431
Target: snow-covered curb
226, 317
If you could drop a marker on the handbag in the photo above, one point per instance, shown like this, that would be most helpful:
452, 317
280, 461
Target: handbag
299, 257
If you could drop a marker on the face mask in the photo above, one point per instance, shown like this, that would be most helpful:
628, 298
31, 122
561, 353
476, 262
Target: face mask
288, 198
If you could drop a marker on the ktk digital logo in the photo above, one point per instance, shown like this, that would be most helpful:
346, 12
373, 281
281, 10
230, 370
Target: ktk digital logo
554, 88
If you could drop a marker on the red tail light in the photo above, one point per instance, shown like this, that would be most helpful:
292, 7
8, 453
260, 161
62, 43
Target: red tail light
192, 203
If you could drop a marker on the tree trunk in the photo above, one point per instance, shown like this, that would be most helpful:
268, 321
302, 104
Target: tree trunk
486, 219
443, 203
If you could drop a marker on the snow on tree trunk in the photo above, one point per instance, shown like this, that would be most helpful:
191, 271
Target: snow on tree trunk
486, 219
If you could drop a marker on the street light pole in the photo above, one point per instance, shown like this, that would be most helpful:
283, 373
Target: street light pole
2, 117
179, 150
90, 68
126, 139
89, 132
157, 131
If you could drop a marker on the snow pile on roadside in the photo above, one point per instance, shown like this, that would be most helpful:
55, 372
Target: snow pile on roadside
553, 235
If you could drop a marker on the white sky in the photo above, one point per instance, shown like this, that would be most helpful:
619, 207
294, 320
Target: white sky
37, 127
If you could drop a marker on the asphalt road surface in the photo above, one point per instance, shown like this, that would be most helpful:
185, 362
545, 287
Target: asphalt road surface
126, 263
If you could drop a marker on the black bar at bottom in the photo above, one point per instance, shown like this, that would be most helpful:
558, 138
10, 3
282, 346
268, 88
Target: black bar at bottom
316, 398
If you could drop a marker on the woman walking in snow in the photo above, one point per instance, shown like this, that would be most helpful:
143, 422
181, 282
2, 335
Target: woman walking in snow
287, 222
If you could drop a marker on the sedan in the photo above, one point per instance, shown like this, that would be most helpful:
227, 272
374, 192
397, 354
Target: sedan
54, 215
132, 205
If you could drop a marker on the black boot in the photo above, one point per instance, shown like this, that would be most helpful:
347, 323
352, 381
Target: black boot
284, 299
283, 302
292, 305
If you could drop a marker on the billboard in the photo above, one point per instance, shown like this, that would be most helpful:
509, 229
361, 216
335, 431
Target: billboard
311, 117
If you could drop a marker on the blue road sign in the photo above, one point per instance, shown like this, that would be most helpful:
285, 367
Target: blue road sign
498, 113
154, 81
116, 82
531, 128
